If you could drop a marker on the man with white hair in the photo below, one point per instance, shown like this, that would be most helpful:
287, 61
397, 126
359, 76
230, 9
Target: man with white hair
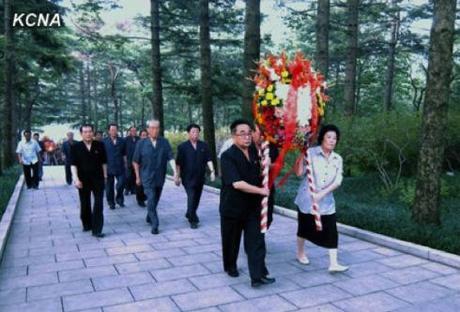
150, 161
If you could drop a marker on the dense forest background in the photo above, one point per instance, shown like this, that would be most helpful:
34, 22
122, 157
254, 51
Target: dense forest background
394, 85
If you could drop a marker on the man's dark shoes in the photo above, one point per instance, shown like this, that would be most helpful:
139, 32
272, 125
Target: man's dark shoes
263, 281
155, 232
112, 206
86, 229
122, 205
99, 235
233, 273
126, 192
193, 225
141, 204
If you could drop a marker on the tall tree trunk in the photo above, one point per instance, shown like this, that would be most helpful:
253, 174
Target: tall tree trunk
143, 112
106, 104
388, 93
251, 54
157, 96
426, 207
206, 80
120, 115
30, 98
359, 69
349, 93
95, 116
322, 37
88, 90
114, 73
9, 134
83, 112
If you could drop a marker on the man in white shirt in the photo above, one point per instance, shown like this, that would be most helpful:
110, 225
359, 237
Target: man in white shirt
28, 156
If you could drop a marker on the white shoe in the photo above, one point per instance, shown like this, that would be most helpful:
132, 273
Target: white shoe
338, 268
304, 260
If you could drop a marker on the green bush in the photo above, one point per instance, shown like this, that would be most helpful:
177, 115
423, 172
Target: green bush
7, 182
175, 138
360, 203
384, 141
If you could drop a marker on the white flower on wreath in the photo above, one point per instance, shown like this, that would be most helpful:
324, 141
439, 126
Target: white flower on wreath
304, 105
281, 91
273, 75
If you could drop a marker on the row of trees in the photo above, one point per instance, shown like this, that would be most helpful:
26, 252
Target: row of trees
190, 61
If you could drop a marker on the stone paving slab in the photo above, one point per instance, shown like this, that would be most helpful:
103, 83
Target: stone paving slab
49, 264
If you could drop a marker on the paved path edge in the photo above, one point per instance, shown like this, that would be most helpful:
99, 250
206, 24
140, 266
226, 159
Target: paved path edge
8, 215
421, 251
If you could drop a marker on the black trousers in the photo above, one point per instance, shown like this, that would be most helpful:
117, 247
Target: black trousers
193, 200
31, 175
131, 180
92, 219
68, 174
111, 187
140, 195
254, 243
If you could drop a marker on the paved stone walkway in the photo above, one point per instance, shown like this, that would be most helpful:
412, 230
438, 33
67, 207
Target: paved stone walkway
51, 265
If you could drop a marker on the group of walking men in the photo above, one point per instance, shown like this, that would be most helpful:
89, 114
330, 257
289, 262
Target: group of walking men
139, 165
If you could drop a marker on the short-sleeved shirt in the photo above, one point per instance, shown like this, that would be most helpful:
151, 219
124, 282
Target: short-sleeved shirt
131, 142
193, 162
236, 167
115, 155
153, 160
28, 151
326, 171
89, 162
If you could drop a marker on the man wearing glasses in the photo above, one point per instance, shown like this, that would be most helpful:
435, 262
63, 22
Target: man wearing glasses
240, 205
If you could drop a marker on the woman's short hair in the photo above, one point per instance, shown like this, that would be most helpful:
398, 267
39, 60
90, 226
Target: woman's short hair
325, 129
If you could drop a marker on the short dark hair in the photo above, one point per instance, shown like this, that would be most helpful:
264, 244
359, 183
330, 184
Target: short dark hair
193, 125
129, 129
112, 124
36, 133
27, 131
87, 125
143, 130
238, 122
99, 132
325, 129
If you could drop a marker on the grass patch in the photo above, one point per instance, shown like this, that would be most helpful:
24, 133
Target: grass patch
7, 183
362, 203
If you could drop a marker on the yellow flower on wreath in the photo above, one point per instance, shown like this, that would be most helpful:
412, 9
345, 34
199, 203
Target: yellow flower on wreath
270, 88
275, 101
269, 96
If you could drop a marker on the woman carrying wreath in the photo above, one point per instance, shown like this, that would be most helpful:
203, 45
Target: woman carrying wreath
327, 172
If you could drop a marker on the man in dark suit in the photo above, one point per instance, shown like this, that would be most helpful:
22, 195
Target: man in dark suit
240, 205
131, 141
192, 158
42, 152
115, 148
89, 171
150, 160
66, 150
